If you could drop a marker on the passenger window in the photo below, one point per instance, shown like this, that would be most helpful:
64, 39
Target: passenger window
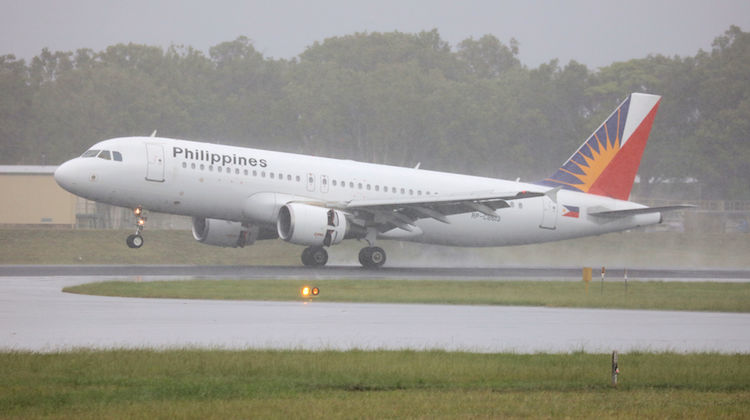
237, 171
104, 154
218, 168
333, 182
351, 184
271, 175
385, 188
298, 178
288, 177
184, 164
368, 187
377, 188
192, 166
117, 156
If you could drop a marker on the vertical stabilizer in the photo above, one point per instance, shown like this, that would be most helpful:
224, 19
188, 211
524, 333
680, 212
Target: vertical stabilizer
606, 163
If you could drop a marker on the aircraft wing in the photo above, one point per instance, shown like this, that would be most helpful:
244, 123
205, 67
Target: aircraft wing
614, 214
402, 213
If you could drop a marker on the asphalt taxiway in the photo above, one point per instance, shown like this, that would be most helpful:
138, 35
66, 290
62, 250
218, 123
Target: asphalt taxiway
36, 315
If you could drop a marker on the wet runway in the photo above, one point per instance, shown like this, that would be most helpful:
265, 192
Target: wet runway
35, 315
356, 272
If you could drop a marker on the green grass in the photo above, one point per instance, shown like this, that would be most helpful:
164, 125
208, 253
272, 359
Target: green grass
372, 384
694, 296
628, 249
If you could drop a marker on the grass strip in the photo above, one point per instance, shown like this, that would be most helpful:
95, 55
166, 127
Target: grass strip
687, 296
369, 384
626, 249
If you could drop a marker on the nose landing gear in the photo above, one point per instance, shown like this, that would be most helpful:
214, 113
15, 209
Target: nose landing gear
136, 240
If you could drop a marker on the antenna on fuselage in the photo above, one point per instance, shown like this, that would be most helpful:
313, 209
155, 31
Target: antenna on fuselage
153, 134
418, 163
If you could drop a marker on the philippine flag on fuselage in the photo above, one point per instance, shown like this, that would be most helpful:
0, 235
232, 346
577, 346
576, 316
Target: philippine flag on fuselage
571, 211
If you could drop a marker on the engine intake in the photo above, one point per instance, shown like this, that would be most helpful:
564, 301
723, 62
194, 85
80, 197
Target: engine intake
221, 233
303, 224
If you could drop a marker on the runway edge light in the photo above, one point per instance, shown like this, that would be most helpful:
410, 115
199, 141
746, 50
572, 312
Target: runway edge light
308, 291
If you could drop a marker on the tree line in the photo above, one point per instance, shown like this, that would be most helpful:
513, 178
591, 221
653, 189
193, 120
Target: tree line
394, 98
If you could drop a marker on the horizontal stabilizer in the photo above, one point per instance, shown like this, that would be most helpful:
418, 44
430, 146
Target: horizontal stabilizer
644, 210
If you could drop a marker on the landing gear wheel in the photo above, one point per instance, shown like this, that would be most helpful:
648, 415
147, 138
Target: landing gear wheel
314, 256
372, 257
134, 241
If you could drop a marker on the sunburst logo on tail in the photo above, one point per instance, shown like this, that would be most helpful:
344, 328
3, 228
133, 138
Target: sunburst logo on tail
590, 161
607, 162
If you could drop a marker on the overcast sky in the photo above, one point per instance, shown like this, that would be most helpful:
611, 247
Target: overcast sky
593, 32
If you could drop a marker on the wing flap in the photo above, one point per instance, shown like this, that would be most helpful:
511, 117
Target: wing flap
402, 213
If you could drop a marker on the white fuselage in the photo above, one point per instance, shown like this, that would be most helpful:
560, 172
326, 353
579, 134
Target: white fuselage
250, 185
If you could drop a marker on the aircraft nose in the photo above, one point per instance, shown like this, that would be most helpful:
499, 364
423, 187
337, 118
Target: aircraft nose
65, 175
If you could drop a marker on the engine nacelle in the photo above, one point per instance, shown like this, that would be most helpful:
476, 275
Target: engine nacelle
303, 224
221, 232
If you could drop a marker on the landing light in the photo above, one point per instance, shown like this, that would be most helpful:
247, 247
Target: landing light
308, 291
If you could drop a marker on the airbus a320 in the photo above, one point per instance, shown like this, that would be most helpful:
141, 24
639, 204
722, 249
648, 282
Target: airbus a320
238, 195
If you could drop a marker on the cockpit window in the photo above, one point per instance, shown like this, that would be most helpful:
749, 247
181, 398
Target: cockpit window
103, 154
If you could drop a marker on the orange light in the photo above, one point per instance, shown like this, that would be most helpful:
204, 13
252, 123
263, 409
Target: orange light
315, 291
306, 291
141, 221
137, 211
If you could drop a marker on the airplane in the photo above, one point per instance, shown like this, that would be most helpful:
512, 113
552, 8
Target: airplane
238, 195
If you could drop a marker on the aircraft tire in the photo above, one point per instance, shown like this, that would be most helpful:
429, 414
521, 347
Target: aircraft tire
314, 256
306, 260
319, 256
134, 241
372, 257
364, 256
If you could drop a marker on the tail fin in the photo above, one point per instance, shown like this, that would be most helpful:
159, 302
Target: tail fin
606, 163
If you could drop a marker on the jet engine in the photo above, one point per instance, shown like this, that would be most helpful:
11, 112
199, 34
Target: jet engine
221, 232
303, 224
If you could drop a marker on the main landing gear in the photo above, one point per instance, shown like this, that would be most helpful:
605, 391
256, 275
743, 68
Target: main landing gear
372, 257
369, 257
136, 240
314, 256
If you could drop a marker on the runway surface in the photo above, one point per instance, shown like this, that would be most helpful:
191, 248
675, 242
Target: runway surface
356, 272
35, 315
